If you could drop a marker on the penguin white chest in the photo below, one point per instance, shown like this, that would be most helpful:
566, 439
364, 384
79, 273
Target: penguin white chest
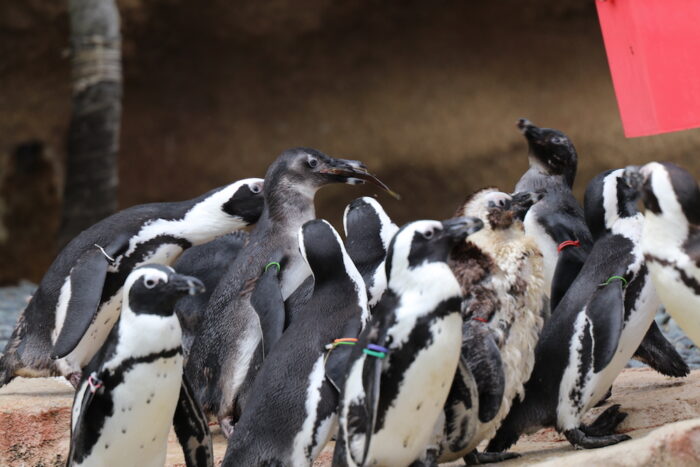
546, 245
410, 419
680, 301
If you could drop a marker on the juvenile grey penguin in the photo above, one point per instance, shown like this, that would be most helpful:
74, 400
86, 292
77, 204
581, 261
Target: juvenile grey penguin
130, 393
596, 328
500, 270
246, 313
79, 297
401, 371
300, 376
558, 226
368, 231
208, 263
671, 241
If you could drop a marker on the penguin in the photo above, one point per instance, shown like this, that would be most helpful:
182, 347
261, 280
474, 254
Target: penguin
671, 241
299, 377
501, 273
557, 222
368, 231
78, 299
558, 226
246, 313
596, 328
208, 262
130, 392
401, 370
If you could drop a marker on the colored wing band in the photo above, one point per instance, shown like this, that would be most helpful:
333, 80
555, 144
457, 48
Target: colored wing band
372, 353
109, 258
274, 263
342, 341
612, 278
481, 320
568, 243
374, 350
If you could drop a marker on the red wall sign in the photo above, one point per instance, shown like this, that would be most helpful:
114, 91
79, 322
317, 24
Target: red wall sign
653, 49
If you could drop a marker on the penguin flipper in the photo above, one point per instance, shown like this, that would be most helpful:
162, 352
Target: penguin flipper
267, 302
480, 351
87, 278
605, 310
338, 358
657, 352
569, 264
192, 429
301, 295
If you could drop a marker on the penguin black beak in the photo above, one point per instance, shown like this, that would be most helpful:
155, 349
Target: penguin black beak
532, 132
633, 177
186, 284
459, 228
522, 202
355, 173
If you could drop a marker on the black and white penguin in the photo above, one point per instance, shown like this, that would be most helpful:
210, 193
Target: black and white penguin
208, 263
246, 313
500, 270
368, 231
558, 226
671, 241
596, 328
299, 377
557, 222
401, 371
130, 393
79, 298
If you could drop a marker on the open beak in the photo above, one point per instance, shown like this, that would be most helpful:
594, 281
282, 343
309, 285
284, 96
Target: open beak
522, 201
187, 284
460, 228
355, 172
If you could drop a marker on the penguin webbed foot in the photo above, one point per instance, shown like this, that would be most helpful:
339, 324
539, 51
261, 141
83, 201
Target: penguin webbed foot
606, 423
476, 458
429, 459
580, 440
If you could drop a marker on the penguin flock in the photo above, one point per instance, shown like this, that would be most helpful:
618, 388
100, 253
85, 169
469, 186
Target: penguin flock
408, 345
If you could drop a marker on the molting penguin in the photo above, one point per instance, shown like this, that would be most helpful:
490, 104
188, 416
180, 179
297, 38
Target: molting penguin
671, 241
299, 378
207, 262
131, 390
368, 231
500, 271
556, 223
79, 297
596, 328
558, 226
246, 314
400, 372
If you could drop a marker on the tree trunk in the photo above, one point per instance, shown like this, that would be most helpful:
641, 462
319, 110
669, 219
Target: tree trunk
90, 192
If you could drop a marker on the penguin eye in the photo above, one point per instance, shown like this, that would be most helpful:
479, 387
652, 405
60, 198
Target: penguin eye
428, 234
150, 283
312, 162
255, 188
557, 140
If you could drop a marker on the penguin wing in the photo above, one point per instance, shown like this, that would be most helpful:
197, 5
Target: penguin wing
267, 302
192, 429
297, 299
563, 227
605, 310
657, 352
483, 357
87, 278
691, 247
339, 356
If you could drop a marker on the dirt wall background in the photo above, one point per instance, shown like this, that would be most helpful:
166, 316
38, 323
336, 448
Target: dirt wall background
426, 93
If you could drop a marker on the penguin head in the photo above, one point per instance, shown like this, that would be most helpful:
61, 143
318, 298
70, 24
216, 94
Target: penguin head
246, 200
425, 242
498, 210
323, 250
305, 170
368, 230
154, 288
670, 192
611, 196
551, 151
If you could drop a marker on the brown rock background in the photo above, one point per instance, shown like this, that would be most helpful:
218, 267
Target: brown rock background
427, 93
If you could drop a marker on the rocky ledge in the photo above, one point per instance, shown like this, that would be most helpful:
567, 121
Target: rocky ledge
663, 422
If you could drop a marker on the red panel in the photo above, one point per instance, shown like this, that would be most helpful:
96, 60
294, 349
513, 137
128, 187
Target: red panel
653, 49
